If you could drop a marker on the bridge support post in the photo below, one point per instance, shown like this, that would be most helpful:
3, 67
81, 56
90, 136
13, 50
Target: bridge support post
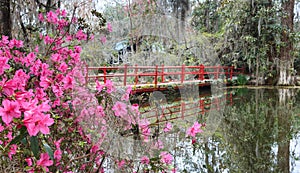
104, 75
182, 72
201, 71
125, 74
135, 73
217, 72
155, 77
162, 74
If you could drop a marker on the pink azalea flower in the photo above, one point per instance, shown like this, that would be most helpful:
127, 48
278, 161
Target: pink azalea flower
69, 38
103, 39
145, 160
57, 154
125, 97
135, 110
196, 128
20, 79
120, 109
166, 157
109, 27
36, 49
100, 111
41, 17
144, 123
44, 161
57, 143
1, 128
40, 94
63, 13
92, 37
109, 86
9, 87
75, 56
80, 35
35, 67
56, 103
9, 136
61, 24
29, 59
99, 87
159, 144
129, 89
4, 40
57, 90
121, 164
10, 110
145, 129
37, 122
94, 149
69, 82
45, 70
168, 127
56, 57
59, 78
48, 40
15, 43
82, 167
77, 49
12, 151
63, 67
52, 17
3, 64
45, 82
194, 141
28, 161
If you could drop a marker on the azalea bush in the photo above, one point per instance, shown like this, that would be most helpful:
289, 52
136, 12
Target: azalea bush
52, 122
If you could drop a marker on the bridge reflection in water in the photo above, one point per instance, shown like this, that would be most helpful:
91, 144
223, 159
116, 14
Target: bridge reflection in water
259, 132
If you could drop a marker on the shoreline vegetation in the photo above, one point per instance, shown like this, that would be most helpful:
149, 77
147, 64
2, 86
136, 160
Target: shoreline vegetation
264, 87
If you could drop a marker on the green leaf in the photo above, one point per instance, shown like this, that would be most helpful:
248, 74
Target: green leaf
21, 136
48, 150
34, 146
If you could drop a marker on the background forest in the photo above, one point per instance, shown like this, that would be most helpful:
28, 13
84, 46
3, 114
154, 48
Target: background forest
261, 35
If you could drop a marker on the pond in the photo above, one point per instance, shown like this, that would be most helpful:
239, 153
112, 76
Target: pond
258, 131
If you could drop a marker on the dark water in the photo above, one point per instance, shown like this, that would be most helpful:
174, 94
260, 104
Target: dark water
259, 132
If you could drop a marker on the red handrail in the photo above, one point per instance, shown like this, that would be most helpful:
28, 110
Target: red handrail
197, 72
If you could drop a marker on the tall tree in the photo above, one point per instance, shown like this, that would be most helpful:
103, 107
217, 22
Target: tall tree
5, 19
286, 58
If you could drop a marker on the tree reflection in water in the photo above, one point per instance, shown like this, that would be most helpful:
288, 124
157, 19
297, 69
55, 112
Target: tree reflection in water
254, 136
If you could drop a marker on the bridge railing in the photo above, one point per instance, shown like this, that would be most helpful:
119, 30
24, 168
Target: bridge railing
132, 75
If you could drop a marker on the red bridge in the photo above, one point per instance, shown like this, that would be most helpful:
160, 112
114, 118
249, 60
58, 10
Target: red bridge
149, 78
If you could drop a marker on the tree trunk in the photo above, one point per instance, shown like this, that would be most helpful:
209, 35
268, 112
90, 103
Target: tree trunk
5, 19
284, 126
286, 72
286, 65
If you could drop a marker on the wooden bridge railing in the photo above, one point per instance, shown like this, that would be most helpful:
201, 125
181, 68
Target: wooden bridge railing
130, 75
